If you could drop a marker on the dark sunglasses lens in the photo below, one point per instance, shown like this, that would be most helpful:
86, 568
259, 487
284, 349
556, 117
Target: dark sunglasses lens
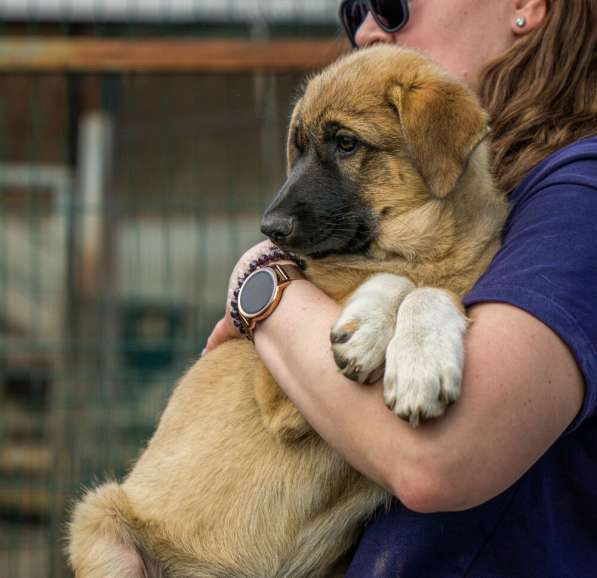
391, 13
353, 15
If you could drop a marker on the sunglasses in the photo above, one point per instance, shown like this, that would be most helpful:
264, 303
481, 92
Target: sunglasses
390, 15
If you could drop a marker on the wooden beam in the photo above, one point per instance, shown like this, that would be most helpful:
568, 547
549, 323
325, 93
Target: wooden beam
166, 55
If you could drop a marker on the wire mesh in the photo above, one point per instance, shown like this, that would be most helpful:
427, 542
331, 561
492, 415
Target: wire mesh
125, 199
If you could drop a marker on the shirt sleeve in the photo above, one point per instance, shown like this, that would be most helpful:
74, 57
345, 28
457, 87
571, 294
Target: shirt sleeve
547, 265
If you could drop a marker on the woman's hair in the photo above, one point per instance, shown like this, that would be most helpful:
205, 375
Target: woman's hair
542, 93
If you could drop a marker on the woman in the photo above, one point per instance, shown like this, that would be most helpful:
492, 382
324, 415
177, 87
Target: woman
504, 483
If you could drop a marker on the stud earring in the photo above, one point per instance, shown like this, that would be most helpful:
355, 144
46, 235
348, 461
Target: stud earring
520, 22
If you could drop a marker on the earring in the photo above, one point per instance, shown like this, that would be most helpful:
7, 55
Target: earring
520, 22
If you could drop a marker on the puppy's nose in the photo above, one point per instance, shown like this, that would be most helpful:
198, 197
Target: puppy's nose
277, 227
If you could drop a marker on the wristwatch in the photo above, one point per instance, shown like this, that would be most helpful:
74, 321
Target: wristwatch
261, 292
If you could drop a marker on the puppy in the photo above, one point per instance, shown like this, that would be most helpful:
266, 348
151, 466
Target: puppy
394, 209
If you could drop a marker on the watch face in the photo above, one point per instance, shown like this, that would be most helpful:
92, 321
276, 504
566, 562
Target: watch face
257, 292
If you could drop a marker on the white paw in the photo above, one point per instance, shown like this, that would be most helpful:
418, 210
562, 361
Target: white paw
360, 336
424, 359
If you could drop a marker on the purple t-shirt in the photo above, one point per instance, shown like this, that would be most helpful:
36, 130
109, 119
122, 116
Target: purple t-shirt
545, 525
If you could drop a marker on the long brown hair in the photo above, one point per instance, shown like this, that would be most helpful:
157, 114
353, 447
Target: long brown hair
542, 93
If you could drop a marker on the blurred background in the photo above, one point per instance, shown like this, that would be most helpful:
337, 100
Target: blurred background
140, 141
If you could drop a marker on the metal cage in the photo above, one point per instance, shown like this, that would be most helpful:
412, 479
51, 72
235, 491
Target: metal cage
139, 142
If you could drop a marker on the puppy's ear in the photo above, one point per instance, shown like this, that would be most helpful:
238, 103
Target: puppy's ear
442, 124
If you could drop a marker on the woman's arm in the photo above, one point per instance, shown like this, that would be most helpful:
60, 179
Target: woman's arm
521, 389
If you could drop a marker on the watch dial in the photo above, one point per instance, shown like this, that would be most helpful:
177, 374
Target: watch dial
257, 292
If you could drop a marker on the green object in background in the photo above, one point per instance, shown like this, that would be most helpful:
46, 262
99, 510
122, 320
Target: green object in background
150, 334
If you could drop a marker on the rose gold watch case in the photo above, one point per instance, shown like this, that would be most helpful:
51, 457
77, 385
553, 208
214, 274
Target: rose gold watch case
281, 275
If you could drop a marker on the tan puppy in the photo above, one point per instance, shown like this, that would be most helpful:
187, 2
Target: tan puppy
389, 194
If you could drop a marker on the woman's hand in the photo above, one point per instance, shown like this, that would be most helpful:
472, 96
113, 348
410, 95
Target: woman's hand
222, 331
224, 328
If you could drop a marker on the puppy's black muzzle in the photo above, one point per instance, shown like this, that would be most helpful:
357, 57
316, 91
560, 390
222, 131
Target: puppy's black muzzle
317, 212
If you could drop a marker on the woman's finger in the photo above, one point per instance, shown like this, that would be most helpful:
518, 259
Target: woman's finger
222, 332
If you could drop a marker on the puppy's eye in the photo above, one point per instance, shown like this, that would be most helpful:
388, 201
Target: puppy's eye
297, 142
346, 144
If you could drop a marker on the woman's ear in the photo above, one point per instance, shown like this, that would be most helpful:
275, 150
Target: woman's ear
528, 15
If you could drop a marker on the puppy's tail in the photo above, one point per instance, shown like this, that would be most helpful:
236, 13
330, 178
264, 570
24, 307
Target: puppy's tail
101, 541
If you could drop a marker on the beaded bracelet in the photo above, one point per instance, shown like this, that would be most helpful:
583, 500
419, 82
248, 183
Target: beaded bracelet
265, 259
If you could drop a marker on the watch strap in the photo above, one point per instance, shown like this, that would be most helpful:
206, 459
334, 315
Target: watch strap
287, 272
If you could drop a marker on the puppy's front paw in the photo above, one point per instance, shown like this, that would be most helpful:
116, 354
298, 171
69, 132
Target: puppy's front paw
425, 358
359, 345
361, 334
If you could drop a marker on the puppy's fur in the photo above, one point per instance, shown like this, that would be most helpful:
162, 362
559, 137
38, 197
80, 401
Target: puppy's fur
387, 174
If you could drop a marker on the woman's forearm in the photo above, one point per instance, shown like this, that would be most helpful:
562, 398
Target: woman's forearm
509, 412
352, 418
